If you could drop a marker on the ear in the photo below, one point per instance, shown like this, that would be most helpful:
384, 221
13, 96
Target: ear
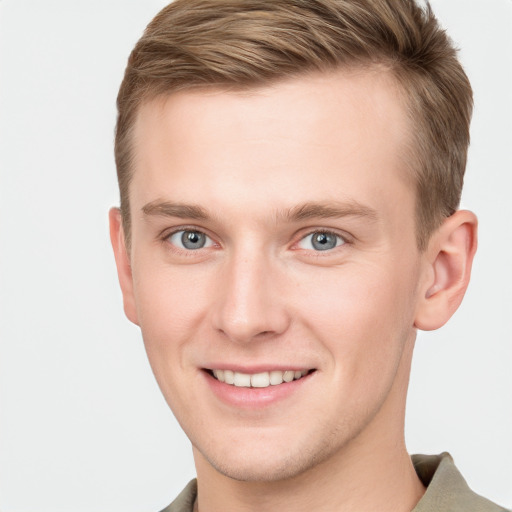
448, 261
124, 269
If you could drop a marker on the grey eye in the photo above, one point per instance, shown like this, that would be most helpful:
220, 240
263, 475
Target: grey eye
321, 241
190, 240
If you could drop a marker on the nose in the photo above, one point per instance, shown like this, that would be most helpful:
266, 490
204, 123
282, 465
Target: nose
248, 303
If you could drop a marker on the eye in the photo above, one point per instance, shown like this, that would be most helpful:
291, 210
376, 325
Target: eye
321, 241
190, 240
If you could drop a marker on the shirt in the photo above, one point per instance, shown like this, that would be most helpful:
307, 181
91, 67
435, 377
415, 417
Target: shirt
447, 491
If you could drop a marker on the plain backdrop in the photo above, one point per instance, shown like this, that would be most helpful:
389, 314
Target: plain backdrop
82, 424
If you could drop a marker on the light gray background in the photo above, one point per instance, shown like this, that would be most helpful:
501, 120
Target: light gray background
82, 424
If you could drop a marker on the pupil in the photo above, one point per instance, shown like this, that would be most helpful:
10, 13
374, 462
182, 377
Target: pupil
192, 240
324, 241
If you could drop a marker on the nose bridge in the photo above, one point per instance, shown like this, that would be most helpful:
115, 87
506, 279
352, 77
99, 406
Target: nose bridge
248, 304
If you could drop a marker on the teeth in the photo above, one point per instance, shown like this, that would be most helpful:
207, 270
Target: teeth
242, 380
219, 375
276, 377
258, 380
288, 376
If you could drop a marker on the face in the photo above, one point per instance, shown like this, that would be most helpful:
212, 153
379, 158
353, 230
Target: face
274, 268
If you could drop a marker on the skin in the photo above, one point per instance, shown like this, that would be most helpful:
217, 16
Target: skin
260, 295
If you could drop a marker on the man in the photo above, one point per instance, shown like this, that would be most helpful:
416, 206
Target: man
290, 175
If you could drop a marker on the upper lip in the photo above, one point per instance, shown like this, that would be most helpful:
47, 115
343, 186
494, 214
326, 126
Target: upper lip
260, 368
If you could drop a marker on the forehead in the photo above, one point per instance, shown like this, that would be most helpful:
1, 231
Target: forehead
337, 134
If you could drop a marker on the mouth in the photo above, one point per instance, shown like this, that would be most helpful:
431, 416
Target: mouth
258, 380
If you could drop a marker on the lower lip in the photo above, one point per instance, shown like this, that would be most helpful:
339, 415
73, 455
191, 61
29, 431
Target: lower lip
254, 398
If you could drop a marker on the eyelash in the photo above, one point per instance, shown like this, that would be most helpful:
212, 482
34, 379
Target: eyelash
184, 229
343, 239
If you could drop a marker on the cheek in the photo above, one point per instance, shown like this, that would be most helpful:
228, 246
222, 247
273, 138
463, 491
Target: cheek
171, 306
363, 315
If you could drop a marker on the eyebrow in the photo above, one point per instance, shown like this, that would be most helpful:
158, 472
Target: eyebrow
330, 210
169, 209
305, 211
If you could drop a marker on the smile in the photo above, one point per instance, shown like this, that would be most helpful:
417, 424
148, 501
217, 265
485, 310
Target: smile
258, 380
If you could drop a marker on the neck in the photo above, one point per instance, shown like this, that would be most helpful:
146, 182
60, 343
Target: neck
372, 472
362, 481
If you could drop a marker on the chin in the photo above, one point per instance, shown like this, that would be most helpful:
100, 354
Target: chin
264, 465
258, 471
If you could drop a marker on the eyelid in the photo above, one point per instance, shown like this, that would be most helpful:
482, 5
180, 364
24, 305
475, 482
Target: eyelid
168, 233
345, 237
342, 235
176, 240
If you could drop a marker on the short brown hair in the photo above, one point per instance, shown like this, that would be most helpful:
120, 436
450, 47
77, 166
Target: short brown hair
238, 44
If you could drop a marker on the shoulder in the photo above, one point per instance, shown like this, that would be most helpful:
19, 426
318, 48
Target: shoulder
447, 491
185, 500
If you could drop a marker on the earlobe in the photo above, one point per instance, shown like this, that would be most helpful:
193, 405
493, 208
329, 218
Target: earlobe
448, 261
122, 257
